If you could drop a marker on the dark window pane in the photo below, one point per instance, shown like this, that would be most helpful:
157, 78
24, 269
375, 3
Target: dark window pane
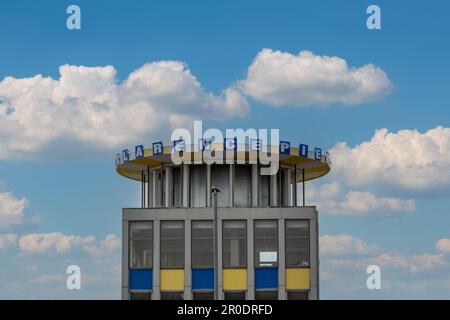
172, 244
202, 244
266, 243
177, 180
297, 243
243, 186
234, 244
235, 295
297, 295
203, 295
220, 179
198, 186
171, 296
140, 295
264, 190
266, 295
141, 244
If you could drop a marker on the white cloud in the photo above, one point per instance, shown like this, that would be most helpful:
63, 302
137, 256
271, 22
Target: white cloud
344, 244
443, 245
11, 210
7, 240
331, 198
105, 248
388, 261
408, 160
283, 79
58, 242
89, 107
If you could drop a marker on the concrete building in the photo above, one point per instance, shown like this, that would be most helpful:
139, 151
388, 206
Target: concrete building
267, 237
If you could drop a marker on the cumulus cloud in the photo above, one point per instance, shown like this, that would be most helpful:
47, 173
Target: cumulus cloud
60, 243
443, 245
331, 198
7, 240
105, 248
11, 210
345, 244
283, 79
35, 243
90, 107
407, 160
388, 261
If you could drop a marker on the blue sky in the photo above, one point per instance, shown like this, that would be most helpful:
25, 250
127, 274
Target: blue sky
68, 178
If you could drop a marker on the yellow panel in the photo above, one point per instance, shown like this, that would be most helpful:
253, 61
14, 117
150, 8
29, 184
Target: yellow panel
172, 280
235, 279
297, 278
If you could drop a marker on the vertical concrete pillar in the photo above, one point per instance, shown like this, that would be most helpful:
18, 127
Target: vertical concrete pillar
208, 185
273, 190
167, 186
231, 186
288, 195
281, 261
154, 188
125, 270
220, 261
186, 185
156, 294
250, 262
314, 256
254, 185
187, 261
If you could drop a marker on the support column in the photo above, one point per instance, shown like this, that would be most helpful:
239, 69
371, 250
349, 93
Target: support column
287, 187
231, 186
303, 182
273, 190
220, 256
254, 185
149, 191
208, 185
186, 185
142, 190
187, 261
154, 188
294, 187
250, 262
281, 261
156, 293
125, 265
314, 256
167, 193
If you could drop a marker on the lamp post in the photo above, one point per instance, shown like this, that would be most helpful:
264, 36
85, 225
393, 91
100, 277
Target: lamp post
215, 191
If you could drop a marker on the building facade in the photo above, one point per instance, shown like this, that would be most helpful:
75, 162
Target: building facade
267, 237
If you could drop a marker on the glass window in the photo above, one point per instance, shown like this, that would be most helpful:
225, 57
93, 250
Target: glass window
297, 295
266, 295
266, 243
202, 244
234, 295
171, 295
297, 243
243, 186
220, 179
140, 296
172, 244
198, 186
141, 244
177, 186
264, 190
207, 295
234, 244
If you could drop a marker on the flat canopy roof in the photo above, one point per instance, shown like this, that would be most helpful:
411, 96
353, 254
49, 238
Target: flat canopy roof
315, 165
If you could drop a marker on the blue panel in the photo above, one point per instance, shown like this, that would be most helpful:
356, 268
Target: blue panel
141, 279
266, 278
202, 279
